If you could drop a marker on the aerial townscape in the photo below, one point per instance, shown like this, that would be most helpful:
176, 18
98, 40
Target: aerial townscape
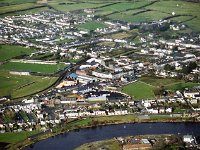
99, 74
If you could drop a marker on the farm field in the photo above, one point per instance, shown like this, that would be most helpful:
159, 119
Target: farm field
180, 8
155, 81
76, 6
139, 90
43, 68
11, 2
168, 83
17, 86
179, 86
30, 11
11, 51
92, 25
17, 7
141, 17
123, 6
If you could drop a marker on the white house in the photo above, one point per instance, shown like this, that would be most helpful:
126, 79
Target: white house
188, 138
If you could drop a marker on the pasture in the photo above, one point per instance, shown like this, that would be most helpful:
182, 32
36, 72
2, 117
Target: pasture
17, 86
17, 136
10, 51
17, 7
66, 7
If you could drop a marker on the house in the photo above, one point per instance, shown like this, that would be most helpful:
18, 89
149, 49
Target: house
86, 79
191, 93
146, 104
168, 110
188, 138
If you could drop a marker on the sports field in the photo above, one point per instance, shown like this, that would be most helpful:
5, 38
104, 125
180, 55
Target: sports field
42, 68
144, 88
139, 90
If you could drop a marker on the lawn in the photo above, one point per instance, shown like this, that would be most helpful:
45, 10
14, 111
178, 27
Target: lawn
126, 118
18, 86
92, 25
83, 122
11, 51
139, 90
43, 68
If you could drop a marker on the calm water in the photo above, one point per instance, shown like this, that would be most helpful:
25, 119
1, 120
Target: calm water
71, 140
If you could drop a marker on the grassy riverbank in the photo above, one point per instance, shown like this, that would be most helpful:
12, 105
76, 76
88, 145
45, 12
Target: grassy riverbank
110, 144
161, 141
92, 122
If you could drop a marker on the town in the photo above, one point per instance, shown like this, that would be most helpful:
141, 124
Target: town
104, 68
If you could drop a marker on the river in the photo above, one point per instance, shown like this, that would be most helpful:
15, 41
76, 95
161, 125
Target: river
73, 139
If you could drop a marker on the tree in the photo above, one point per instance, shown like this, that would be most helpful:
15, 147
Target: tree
187, 69
169, 67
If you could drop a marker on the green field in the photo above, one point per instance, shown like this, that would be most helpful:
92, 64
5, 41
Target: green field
16, 137
181, 86
139, 90
17, 86
145, 87
76, 6
92, 25
17, 7
31, 11
123, 6
168, 83
156, 81
141, 17
180, 8
43, 68
108, 144
11, 51
126, 118
11, 2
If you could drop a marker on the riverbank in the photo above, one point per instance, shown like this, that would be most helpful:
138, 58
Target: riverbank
92, 123
163, 141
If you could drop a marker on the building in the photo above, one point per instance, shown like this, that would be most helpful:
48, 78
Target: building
191, 94
188, 138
